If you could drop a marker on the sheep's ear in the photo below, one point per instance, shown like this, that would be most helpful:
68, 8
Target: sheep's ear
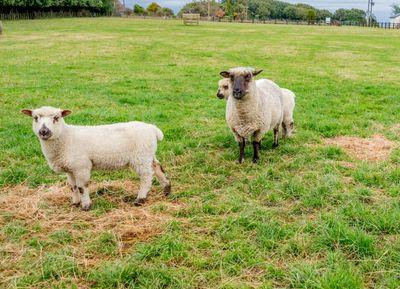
28, 112
65, 112
225, 74
257, 72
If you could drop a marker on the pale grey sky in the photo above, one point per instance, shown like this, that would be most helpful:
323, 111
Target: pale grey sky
382, 8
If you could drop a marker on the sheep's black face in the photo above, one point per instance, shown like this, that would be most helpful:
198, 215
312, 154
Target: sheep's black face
240, 84
240, 79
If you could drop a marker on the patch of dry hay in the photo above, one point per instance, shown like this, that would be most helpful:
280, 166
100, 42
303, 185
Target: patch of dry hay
50, 206
376, 148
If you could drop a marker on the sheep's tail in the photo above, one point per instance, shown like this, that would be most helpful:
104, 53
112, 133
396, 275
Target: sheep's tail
158, 132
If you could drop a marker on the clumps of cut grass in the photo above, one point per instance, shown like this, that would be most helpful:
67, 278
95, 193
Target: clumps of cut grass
334, 273
334, 233
105, 244
15, 230
61, 237
131, 273
51, 267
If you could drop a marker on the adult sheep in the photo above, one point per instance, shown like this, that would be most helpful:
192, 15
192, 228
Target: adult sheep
288, 101
76, 150
252, 110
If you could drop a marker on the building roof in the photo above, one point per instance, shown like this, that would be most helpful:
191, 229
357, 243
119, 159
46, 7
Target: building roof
395, 15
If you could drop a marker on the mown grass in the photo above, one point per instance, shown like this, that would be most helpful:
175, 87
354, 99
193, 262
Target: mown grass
298, 219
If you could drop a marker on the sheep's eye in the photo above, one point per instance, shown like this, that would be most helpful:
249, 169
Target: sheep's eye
248, 77
56, 118
225, 87
36, 118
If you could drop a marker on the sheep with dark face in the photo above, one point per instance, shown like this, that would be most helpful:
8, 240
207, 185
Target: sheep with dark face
252, 110
77, 150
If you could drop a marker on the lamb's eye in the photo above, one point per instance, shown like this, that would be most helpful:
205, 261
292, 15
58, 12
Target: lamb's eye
56, 118
225, 87
248, 77
36, 118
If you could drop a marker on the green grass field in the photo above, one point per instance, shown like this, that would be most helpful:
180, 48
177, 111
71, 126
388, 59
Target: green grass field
309, 215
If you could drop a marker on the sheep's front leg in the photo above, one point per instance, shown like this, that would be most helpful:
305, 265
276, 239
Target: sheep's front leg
242, 145
76, 198
256, 146
82, 182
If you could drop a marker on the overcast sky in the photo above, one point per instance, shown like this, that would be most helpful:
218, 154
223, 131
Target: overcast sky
382, 8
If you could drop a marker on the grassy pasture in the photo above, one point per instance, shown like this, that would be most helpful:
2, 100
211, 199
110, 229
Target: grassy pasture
309, 215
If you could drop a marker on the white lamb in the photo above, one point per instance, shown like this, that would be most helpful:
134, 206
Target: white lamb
288, 101
76, 150
252, 110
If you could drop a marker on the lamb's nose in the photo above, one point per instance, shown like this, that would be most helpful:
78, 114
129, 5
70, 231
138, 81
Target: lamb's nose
44, 131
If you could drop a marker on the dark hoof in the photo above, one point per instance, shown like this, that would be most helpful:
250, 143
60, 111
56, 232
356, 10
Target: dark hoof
167, 189
86, 208
255, 161
275, 145
129, 199
240, 161
138, 202
76, 204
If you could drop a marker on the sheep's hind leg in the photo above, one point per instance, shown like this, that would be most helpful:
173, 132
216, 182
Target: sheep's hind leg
285, 132
242, 145
162, 177
82, 182
76, 198
276, 136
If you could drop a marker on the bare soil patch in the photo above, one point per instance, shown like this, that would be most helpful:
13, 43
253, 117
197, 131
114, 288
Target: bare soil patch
375, 148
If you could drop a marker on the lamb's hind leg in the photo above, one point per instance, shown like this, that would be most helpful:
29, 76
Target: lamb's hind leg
161, 177
76, 198
146, 176
276, 136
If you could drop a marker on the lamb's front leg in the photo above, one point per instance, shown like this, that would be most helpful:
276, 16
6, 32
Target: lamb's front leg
76, 198
146, 176
82, 182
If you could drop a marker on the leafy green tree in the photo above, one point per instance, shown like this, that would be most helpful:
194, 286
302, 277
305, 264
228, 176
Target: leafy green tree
311, 15
153, 8
264, 10
137, 9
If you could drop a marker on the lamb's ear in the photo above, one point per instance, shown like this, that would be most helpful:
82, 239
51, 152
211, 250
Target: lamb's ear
225, 74
28, 112
257, 72
65, 112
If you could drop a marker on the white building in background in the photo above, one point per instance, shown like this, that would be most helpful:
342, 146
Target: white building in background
395, 19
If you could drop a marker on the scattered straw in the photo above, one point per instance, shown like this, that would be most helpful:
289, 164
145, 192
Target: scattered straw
376, 148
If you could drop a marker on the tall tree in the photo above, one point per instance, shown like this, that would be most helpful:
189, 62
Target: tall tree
153, 8
396, 9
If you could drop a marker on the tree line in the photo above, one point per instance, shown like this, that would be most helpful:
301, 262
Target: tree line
22, 6
270, 9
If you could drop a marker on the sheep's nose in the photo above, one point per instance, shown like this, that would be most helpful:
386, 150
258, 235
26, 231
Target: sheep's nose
237, 93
